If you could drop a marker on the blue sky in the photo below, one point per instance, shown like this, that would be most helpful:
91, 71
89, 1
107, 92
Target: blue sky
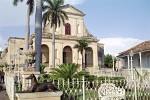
119, 24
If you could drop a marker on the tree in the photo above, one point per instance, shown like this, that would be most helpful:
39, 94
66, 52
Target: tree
30, 10
55, 16
65, 71
38, 33
108, 61
82, 46
38, 28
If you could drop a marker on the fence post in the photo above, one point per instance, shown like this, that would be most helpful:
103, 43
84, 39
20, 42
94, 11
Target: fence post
13, 89
135, 91
134, 82
83, 87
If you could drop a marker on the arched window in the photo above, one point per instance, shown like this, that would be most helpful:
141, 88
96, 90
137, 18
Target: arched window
67, 29
45, 54
67, 54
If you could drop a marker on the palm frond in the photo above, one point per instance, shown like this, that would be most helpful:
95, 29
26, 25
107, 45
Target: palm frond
30, 3
64, 14
65, 71
48, 2
46, 18
82, 45
46, 7
57, 15
15, 2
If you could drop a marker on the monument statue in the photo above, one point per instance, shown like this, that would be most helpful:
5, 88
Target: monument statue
39, 87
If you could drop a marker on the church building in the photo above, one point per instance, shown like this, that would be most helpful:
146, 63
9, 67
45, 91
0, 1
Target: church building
66, 37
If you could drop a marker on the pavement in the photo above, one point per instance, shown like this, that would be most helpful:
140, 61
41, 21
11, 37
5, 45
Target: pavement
3, 93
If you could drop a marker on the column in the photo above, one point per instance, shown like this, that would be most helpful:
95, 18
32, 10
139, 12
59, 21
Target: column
140, 61
128, 62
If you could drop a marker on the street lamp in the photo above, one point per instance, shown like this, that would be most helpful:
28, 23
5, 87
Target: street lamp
135, 94
131, 55
19, 53
113, 62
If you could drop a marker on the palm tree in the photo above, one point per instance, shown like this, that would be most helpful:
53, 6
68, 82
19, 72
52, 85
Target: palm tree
65, 71
38, 28
30, 9
38, 33
82, 46
54, 15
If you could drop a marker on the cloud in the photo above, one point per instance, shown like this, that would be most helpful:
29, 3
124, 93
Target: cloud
2, 43
116, 45
74, 2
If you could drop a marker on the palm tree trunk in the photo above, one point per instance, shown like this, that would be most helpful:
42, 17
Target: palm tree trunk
27, 32
53, 46
83, 60
38, 33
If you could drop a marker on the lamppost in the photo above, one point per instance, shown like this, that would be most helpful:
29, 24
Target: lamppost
113, 58
133, 78
131, 55
19, 53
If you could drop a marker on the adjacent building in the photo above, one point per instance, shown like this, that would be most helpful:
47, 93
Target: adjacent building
138, 56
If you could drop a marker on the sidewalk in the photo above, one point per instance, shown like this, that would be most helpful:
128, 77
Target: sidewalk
3, 95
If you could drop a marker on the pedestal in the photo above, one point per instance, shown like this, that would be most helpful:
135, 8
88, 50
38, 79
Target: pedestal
27, 83
39, 96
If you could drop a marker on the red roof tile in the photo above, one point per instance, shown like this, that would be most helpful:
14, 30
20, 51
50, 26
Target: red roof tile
144, 46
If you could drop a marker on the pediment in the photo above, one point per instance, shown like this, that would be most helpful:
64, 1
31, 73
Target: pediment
72, 10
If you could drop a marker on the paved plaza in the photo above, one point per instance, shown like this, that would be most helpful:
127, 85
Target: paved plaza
3, 94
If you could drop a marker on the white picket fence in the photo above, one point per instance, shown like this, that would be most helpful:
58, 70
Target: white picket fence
82, 89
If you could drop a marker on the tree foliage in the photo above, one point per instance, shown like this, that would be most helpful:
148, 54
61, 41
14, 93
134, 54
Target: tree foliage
42, 67
53, 13
108, 61
82, 45
67, 71
30, 3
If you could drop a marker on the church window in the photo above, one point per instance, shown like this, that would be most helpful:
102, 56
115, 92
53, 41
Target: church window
67, 54
67, 29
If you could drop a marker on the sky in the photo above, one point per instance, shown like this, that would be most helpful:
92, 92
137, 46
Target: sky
118, 24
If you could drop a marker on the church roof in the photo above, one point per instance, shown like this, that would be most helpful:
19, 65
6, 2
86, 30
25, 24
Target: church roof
76, 11
142, 47
15, 38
